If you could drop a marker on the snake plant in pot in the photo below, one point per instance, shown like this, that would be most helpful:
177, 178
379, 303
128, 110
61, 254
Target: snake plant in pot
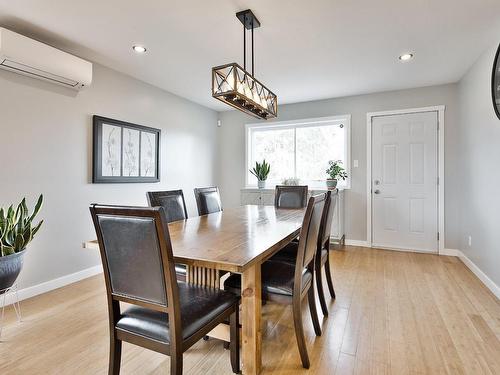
17, 230
261, 171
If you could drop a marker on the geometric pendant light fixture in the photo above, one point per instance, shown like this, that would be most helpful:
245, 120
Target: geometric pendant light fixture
233, 85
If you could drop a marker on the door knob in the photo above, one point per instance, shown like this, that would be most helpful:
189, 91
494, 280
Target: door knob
377, 191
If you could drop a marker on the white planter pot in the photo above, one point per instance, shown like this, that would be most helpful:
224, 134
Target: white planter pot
331, 183
261, 184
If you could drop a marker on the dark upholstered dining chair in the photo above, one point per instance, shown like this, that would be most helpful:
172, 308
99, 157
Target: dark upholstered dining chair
167, 316
175, 209
290, 196
289, 253
172, 201
287, 283
208, 200
323, 254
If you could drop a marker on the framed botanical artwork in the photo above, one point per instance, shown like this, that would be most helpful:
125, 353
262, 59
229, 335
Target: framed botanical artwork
124, 152
495, 83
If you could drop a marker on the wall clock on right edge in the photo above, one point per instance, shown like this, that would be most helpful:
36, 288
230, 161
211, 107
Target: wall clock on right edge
495, 83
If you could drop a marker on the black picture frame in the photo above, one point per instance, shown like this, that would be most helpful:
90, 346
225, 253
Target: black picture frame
143, 149
495, 83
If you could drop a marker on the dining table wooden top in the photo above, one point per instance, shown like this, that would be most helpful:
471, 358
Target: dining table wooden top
233, 239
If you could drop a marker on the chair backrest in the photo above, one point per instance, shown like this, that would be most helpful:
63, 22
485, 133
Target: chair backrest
326, 226
172, 201
309, 233
136, 254
290, 196
208, 200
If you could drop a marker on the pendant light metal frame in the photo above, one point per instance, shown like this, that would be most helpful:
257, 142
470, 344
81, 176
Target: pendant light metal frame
236, 87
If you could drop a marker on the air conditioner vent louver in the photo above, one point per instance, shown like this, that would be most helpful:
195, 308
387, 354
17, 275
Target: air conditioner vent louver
29, 57
24, 69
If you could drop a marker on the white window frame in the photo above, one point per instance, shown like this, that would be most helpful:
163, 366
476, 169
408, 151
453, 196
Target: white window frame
294, 124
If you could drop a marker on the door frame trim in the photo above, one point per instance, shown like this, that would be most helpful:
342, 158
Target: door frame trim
369, 121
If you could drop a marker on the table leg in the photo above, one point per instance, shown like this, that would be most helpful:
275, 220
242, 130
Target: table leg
251, 316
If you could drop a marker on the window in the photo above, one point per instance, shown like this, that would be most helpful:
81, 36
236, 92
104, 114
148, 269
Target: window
299, 149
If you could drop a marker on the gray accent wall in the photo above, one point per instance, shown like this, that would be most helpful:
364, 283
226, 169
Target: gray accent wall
231, 156
478, 165
46, 143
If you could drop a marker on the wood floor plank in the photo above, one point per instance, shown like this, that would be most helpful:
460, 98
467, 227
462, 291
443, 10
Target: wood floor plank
396, 313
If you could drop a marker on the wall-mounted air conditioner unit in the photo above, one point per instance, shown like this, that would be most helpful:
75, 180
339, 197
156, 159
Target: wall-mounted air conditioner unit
38, 60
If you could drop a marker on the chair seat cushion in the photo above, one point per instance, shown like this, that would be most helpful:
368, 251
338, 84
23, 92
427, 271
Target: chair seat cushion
277, 278
199, 306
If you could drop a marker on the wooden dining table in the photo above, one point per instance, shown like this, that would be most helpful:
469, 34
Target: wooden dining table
237, 240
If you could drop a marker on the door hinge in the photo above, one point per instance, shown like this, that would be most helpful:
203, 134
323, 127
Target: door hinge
438, 236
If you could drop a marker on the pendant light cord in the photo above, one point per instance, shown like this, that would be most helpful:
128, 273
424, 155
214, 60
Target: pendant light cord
245, 48
252, 50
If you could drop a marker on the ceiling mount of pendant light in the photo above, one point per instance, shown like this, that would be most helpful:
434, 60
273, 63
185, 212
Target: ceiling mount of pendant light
233, 85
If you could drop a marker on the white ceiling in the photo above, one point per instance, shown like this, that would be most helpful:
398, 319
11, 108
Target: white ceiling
305, 50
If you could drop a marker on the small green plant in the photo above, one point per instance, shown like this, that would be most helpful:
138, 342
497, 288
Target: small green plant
261, 171
335, 170
16, 227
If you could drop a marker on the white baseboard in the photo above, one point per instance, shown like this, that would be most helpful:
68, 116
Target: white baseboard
450, 252
494, 288
52, 284
356, 243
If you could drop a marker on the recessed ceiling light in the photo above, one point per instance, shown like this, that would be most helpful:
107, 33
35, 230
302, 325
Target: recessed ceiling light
406, 57
139, 49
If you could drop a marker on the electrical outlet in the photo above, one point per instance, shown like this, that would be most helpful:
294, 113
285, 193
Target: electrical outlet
470, 241
356, 164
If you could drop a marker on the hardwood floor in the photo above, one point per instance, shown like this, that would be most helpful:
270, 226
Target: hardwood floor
395, 313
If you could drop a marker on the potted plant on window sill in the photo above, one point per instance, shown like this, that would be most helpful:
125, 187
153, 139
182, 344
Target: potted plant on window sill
16, 232
335, 171
261, 171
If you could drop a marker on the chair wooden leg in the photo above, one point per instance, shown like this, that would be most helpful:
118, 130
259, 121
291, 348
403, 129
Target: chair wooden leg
312, 310
299, 332
329, 280
235, 340
176, 363
115, 355
319, 284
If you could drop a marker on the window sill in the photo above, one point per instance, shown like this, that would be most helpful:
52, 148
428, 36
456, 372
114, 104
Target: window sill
254, 188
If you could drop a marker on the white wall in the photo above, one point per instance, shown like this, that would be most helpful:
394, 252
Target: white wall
46, 143
479, 142
231, 148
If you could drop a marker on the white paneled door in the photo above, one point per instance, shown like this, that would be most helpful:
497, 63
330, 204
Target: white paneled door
405, 181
